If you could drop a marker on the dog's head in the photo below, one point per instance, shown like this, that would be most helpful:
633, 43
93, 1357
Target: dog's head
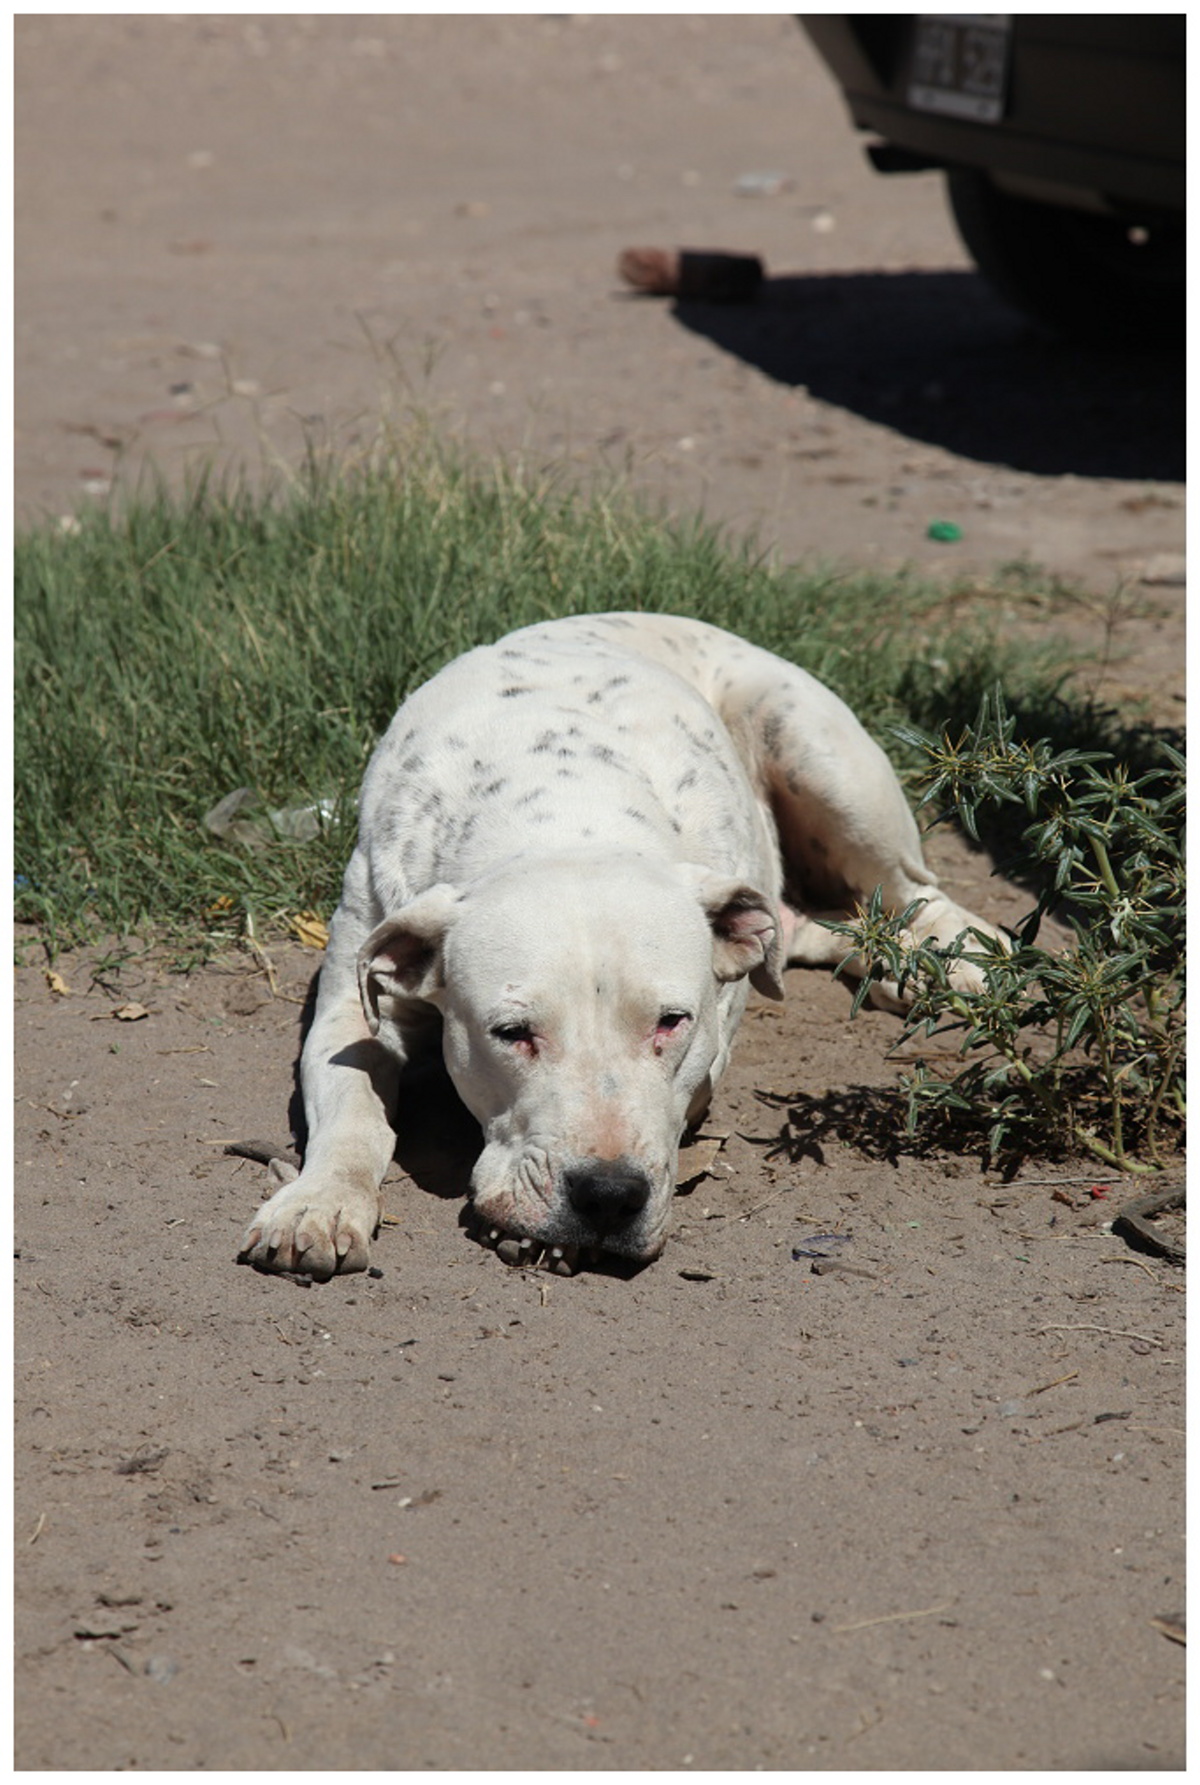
588, 1007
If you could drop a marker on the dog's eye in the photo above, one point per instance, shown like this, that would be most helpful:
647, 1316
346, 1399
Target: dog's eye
514, 1034
674, 1019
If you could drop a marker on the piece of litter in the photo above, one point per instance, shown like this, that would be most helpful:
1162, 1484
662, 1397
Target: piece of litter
944, 531
820, 1245
699, 273
761, 185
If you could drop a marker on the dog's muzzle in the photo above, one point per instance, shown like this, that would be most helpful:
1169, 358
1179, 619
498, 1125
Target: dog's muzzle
600, 1210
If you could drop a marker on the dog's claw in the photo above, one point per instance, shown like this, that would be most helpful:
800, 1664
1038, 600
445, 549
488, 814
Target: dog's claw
316, 1232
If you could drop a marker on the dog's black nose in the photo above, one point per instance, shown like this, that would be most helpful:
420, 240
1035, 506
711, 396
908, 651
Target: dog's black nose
607, 1195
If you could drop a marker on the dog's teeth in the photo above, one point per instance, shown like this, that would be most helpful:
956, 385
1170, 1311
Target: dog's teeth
526, 1244
562, 1260
509, 1251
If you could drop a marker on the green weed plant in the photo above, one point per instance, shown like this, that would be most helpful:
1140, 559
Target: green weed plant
1079, 1048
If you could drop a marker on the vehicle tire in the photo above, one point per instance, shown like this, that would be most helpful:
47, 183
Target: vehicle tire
1096, 277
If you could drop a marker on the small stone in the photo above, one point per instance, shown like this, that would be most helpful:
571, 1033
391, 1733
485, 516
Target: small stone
1165, 569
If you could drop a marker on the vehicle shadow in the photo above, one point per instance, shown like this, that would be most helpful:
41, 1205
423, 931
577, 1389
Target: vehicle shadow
936, 356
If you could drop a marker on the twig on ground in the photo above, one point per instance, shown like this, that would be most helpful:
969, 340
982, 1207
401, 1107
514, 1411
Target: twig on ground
892, 1617
261, 1151
1112, 1331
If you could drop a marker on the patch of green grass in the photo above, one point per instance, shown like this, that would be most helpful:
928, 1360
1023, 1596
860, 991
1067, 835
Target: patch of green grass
180, 647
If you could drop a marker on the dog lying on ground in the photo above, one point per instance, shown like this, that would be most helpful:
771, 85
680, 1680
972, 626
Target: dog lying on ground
578, 848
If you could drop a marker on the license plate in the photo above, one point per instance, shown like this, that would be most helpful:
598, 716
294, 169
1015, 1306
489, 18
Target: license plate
960, 64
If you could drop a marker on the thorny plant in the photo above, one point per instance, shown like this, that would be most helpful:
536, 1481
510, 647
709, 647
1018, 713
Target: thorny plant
1081, 1047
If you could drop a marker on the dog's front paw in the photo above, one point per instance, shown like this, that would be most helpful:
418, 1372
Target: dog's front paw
315, 1228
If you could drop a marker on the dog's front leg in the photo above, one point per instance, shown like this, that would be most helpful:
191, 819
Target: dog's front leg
323, 1221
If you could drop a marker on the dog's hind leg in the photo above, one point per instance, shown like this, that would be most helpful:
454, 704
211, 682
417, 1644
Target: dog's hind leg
843, 823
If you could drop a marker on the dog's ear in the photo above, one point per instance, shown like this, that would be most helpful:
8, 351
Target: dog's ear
746, 932
401, 960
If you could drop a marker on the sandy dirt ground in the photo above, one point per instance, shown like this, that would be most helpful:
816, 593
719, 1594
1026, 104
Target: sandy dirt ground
730, 1512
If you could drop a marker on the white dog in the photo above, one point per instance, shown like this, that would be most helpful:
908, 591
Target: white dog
574, 851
